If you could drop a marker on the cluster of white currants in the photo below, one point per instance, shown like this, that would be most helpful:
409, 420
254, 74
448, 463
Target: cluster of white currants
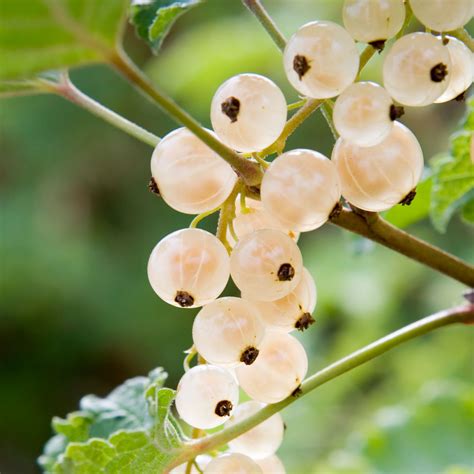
376, 163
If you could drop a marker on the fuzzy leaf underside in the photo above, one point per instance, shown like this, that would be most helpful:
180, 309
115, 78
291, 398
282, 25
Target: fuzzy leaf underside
131, 430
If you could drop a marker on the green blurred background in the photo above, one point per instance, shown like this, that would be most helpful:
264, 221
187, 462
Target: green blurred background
78, 224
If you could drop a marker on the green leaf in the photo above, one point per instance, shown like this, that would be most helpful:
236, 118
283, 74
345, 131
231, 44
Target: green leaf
403, 216
154, 18
126, 452
453, 175
40, 35
467, 213
75, 427
86, 458
127, 407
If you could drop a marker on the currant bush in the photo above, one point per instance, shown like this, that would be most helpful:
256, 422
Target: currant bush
266, 197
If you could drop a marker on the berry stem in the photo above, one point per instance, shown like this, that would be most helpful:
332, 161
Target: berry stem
291, 125
460, 314
226, 214
326, 110
256, 7
249, 171
374, 227
66, 89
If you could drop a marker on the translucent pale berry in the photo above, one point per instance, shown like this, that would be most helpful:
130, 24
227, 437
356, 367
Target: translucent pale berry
228, 331
271, 465
443, 15
280, 368
300, 189
462, 69
261, 441
321, 59
378, 177
206, 396
266, 264
364, 113
294, 310
416, 69
189, 268
202, 461
248, 112
373, 20
234, 463
255, 218
190, 176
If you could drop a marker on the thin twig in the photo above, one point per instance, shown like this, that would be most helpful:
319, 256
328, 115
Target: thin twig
66, 89
256, 7
248, 170
460, 314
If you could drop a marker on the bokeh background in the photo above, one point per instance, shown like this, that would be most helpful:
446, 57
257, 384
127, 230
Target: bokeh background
78, 223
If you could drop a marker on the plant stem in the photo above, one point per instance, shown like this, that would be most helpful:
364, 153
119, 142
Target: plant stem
66, 89
460, 314
249, 171
326, 110
226, 214
291, 125
365, 57
256, 7
374, 227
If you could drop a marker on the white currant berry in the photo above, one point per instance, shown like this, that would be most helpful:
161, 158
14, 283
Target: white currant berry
321, 59
378, 177
266, 264
373, 20
279, 370
443, 15
190, 176
416, 69
228, 331
248, 112
462, 69
255, 218
271, 465
364, 113
189, 268
202, 461
294, 310
234, 463
300, 189
206, 396
261, 441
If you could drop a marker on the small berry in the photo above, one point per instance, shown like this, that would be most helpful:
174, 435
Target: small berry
190, 176
189, 268
372, 21
248, 112
266, 265
416, 70
379, 177
206, 396
321, 59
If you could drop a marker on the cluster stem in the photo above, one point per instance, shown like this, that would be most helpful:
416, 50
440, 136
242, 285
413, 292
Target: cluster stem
460, 314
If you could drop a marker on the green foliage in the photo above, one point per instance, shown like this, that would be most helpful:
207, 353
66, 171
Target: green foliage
453, 178
37, 36
432, 434
130, 430
154, 18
